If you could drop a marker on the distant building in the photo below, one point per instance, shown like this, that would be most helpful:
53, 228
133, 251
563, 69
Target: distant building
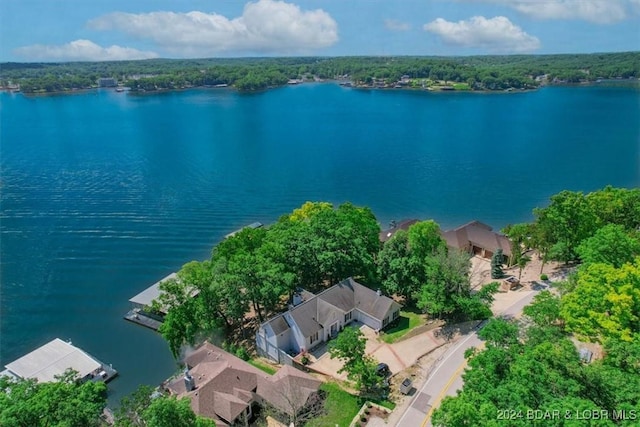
107, 82
54, 359
320, 317
478, 239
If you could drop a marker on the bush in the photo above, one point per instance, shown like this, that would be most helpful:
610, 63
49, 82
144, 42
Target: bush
305, 360
363, 419
544, 277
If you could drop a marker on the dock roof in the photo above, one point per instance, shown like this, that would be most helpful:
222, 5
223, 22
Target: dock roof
53, 359
147, 296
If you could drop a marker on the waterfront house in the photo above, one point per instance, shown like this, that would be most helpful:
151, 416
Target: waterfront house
479, 239
317, 318
53, 359
227, 389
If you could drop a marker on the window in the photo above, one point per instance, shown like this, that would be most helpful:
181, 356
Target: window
396, 314
347, 317
313, 338
385, 322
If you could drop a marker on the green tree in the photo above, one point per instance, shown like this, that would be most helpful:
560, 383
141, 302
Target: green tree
63, 403
565, 223
605, 302
171, 412
399, 271
425, 239
129, 413
500, 333
349, 347
611, 244
544, 310
496, 265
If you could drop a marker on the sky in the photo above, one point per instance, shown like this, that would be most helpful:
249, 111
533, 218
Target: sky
94, 30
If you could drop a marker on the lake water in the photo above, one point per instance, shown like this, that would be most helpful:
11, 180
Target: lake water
104, 193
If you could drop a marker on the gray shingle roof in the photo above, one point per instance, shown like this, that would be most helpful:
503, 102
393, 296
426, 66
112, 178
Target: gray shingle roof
305, 316
278, 324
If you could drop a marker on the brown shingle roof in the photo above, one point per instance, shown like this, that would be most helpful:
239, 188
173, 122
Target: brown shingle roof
226, 385
288, 390
478, 234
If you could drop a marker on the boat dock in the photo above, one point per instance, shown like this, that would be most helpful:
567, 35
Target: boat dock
140, 311
47, 363
135, 315
252, 225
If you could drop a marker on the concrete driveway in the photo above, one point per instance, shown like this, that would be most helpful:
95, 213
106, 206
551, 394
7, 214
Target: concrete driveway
398, 356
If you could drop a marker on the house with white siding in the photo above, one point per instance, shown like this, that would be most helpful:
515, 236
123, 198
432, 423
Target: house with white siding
319, 317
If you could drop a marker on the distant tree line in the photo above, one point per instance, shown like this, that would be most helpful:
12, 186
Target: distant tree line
478, 72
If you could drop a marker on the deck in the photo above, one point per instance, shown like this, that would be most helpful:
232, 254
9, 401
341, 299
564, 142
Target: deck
136, 316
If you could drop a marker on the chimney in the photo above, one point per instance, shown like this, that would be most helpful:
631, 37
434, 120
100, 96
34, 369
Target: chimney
379, 292
189, 382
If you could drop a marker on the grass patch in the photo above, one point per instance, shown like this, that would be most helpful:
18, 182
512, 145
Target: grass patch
406, 322
340, 407
263, 366
461, 86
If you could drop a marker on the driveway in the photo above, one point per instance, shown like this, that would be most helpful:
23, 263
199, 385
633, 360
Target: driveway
398, 356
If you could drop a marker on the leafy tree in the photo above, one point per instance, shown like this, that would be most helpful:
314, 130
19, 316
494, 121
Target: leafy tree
605, 302
400, 273
500, 333
129, 413
171, 412
619, 206
565, 223
349, 347
544, 310
63, 403
523, 260
425, 239
611, 244
446, 278
521, 238
496, 265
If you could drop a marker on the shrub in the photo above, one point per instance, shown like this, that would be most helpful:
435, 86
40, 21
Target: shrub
304, 359
544, 277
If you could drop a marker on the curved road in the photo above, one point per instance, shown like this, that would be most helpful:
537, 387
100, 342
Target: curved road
446, 378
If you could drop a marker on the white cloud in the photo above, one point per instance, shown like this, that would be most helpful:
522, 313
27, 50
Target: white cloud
81, 50
597, 11
496, 34
395, 25
266, 26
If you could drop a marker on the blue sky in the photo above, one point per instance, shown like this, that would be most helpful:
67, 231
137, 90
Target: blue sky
58, 30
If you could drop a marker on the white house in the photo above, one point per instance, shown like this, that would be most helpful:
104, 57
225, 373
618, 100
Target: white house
322, 316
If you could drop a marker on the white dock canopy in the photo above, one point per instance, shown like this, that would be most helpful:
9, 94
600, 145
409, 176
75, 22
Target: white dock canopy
53, 359
146, 297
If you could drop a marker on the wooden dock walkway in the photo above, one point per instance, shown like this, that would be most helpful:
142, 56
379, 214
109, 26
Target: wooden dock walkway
136, 316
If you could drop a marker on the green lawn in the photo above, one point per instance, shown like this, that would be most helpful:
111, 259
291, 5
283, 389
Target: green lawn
461, 86
263, 366
407, 321
340, 407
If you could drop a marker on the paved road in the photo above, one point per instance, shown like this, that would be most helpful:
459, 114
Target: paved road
446, 379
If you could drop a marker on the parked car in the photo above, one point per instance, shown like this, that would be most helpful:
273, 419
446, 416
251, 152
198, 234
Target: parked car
383, 370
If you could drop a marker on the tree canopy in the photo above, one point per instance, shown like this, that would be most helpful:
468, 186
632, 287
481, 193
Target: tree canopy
63, 403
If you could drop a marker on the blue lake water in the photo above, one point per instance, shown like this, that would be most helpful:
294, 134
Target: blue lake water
104, 193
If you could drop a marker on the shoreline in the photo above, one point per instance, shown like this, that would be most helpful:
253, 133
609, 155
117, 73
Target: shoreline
632, 82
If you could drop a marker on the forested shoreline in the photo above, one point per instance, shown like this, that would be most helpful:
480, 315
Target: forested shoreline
473, 73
